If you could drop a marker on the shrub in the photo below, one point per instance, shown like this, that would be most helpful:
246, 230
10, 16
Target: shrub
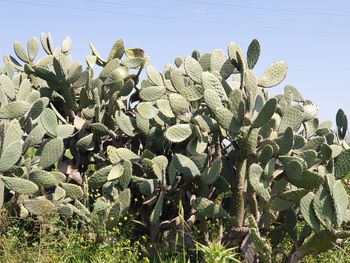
204, 134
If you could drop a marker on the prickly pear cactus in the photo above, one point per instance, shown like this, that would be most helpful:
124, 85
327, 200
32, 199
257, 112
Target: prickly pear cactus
269, 157
203, 133
56, 119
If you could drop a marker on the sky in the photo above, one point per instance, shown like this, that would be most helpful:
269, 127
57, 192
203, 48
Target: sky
313, 37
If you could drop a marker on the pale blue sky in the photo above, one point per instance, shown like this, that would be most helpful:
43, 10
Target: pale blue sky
313, 37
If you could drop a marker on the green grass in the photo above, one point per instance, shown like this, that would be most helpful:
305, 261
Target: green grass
66, 246
24, 240
51, 240
340, 254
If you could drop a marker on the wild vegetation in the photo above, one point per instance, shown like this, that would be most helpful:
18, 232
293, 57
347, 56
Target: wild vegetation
199, 161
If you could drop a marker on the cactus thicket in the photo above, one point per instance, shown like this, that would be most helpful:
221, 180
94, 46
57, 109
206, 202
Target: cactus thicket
204, 133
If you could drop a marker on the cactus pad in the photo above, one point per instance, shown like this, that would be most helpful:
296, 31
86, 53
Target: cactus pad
43, 179
342, 165
10, 156
52, 151
152, 93
178, 133
193, 69
14, 110
265, 114
147, 110
180, 107
273, 75
213, 173
19, 185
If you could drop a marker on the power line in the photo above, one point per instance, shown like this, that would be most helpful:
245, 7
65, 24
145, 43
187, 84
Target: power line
84, 9
211, 12
126, 4
93, 10
264, 8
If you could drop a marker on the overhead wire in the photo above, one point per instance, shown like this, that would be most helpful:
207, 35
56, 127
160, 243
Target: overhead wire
125, 4
306, 12
150, 16
218, 14
218, 4
93, 10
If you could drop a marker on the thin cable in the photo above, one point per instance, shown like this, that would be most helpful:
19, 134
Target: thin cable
210, 12
126, 4
162, 17
264, 8
93, 10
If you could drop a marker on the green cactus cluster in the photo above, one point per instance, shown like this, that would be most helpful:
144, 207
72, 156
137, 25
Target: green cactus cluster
203, 133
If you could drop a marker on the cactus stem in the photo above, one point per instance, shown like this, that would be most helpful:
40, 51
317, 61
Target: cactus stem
239, 193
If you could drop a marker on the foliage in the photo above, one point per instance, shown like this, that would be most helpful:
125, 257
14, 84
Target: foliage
25, 240
215, 250
204, 134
